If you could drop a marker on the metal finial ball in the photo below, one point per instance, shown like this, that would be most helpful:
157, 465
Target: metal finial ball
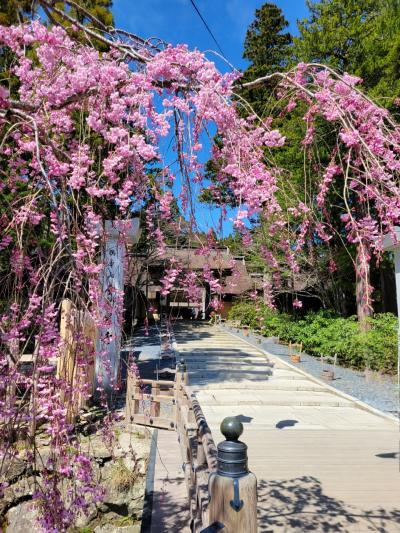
231, 428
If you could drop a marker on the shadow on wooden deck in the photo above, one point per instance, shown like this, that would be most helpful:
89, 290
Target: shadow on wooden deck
299, 505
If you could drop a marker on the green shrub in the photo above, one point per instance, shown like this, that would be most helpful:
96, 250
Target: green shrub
245, 313
380, 343
323, 333
276, 324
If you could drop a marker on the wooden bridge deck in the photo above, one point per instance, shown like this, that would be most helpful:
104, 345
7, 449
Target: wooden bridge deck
323, 463
170, 507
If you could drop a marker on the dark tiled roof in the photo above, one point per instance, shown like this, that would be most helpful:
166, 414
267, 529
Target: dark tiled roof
219, 259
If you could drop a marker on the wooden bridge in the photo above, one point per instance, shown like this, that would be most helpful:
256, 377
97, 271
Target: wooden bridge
324, 461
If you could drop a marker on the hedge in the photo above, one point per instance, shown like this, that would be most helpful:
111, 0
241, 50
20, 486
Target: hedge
324, 333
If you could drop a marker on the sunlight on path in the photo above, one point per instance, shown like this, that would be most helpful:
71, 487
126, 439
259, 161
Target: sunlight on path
323, 464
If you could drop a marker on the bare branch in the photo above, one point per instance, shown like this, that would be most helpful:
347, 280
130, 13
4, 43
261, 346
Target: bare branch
128, 50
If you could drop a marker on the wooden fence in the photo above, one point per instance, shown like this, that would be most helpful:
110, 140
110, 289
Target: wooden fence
143, 402
182, 413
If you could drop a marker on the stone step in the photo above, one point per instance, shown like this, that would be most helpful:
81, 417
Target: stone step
281, 385
227, 397
231, 356
222, 374
276, 402
235, 365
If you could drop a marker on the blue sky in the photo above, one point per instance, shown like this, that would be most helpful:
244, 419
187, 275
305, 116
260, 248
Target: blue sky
175, 21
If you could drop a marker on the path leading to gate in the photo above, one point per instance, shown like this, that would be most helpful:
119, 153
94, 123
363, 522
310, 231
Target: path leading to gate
323, 463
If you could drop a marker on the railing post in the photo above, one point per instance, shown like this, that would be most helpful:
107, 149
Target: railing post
185, 377
128, 404
200, 454
132, 395
136, 399
155, 405
233, 488
178, 377
177, 396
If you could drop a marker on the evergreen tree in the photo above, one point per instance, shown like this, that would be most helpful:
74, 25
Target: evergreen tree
267, 47
15, 11
361, 37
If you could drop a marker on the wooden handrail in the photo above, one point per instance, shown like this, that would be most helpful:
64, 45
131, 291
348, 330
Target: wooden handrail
204, 431
199, 453
163, 382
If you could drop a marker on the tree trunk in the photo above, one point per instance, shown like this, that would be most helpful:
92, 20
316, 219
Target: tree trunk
363, 285
388, 289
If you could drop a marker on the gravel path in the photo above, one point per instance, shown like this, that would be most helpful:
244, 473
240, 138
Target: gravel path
379, 391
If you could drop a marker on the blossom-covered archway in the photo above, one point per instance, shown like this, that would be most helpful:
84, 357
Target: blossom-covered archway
82, 134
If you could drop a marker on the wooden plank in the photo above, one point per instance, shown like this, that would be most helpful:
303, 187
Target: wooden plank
170, 503
151, 397
163, 382
156, 422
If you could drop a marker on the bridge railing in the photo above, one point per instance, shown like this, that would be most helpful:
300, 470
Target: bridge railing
199, 453
171, 405
150, 402
221, 491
